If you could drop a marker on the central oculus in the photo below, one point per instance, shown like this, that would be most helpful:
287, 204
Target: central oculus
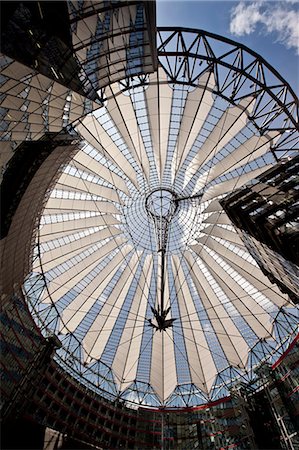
161, 203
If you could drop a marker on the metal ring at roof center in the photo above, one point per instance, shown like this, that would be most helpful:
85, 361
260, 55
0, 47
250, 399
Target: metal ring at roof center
161, 202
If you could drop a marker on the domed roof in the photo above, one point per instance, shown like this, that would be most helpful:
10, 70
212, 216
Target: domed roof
147, 282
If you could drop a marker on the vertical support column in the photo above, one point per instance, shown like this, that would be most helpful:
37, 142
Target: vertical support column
240, 403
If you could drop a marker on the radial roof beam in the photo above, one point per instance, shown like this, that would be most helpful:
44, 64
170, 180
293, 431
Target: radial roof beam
158, 101
92, 294
248, 268
201, 364
100, 330
83, 161
197, 107
65, 281
235, 347
129, 345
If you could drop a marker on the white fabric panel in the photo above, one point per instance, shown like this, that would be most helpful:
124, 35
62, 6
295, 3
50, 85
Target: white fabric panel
213, 206
52, 258
252, 273
76, 112
42, 83
79, 307
165, 111
128, 127
91, 130
233, 344
87, 241
67, 280
66, 244
77, 106
200, 361
81, 54
68, 182
230, 236
114, 49
93, 166
6, 152
56, 106
60, 229
125, 16
97, 337
36, 119
158, 100
83, 32
163, 377
12, 87
34, 108
20, 136
197, 107
117, 60
58, 90
126, 359
231, 122
36, 95
253, 313
163, 374
82, 205
218, 218
54, 211
14, 118
233, 183
11, 102
17, 71
91, 22
252, 149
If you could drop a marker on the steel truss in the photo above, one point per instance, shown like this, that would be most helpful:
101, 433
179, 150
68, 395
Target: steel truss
239, 72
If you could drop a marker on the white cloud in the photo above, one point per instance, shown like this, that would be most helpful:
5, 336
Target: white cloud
244, 18
281, 18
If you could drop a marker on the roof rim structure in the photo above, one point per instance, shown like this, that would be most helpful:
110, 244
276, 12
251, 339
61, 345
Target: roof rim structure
234, 43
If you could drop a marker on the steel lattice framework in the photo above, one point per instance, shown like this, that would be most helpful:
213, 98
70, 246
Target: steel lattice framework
239, 72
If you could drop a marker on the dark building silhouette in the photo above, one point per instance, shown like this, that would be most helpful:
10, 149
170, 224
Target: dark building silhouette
266, 213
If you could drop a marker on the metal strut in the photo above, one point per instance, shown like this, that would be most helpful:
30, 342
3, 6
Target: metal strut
161, 206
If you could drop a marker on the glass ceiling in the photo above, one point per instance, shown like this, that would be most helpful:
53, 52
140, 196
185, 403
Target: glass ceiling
137, 267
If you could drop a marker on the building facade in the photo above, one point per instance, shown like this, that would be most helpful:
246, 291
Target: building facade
266, 212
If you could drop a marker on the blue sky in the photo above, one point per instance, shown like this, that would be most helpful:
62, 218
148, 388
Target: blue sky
271, 28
